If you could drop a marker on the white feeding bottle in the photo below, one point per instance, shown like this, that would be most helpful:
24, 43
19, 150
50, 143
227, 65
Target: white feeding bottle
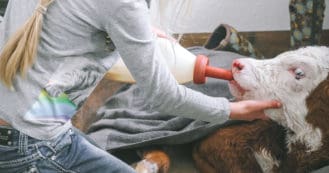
184, 65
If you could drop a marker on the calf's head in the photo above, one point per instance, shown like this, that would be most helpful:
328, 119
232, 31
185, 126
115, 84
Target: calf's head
298, 79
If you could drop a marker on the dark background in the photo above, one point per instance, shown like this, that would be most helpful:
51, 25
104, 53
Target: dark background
3, 5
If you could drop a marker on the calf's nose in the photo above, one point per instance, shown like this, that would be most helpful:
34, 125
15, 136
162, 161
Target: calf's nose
237, 66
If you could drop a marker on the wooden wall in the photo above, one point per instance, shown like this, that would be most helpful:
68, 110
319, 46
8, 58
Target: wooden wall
270, 43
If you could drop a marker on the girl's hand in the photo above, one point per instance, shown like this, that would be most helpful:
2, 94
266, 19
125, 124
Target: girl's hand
249, 110
162, 34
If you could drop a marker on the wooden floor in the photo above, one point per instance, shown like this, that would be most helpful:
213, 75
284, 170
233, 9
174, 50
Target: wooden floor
270, 43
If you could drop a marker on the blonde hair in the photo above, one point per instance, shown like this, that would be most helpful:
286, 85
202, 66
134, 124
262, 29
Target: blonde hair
19, 53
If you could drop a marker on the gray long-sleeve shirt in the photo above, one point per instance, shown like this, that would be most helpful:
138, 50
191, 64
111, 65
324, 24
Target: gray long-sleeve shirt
74, 29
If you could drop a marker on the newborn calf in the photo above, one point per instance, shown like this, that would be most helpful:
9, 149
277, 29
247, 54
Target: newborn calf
297, 137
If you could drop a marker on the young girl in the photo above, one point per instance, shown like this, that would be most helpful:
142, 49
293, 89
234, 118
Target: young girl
36, 39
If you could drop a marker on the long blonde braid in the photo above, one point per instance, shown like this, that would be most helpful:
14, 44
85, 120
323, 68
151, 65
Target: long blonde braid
19, 53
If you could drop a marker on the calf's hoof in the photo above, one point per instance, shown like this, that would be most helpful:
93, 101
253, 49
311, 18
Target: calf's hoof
146, 166
154, 161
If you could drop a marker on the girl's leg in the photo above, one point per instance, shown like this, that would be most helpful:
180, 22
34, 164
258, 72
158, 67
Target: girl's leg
89, 158
70, 153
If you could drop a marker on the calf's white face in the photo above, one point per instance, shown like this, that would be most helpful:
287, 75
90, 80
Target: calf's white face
289, 78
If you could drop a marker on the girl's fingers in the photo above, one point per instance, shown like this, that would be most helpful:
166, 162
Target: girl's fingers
261, 105
272, 104
162, 34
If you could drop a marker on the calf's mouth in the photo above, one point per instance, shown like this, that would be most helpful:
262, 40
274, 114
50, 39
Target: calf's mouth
236, 86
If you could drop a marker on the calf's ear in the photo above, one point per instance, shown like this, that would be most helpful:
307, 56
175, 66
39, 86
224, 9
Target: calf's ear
318, 105
320, 95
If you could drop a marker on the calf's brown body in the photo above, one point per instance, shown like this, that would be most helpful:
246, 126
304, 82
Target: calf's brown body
231, 149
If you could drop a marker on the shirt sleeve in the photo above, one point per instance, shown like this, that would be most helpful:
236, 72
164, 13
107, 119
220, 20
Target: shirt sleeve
128, 25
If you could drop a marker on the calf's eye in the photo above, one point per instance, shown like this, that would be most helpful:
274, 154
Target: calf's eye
299, 73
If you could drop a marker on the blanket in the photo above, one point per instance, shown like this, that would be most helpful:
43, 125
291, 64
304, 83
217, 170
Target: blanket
125, 121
